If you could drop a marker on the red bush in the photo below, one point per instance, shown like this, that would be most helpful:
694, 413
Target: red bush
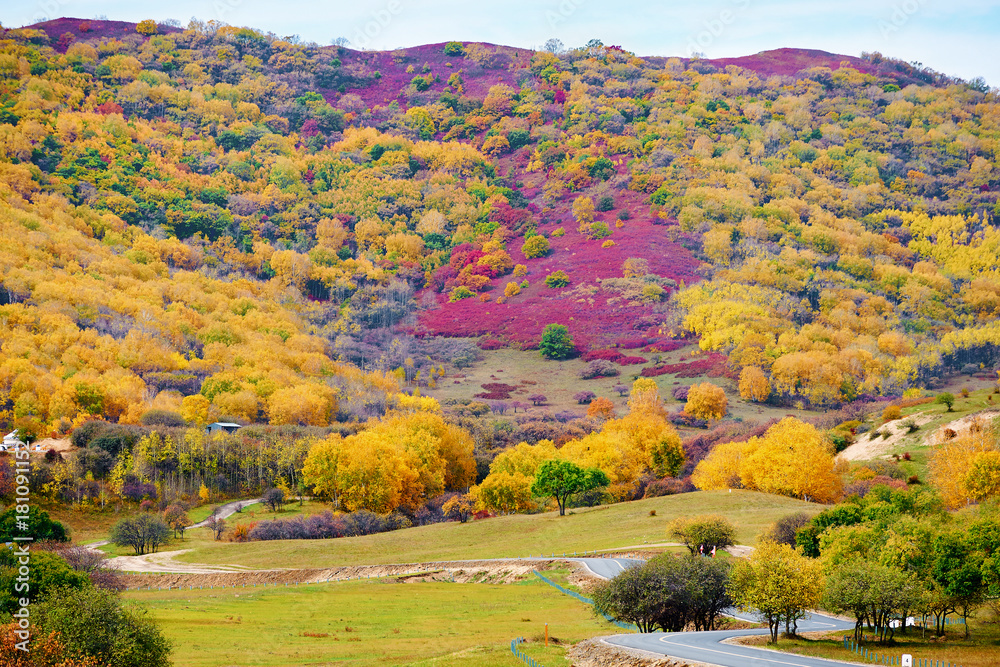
608, 355
665, 346
108, 108
631, 343
713, 365
493, 395
498, 386
632, 361
490, 344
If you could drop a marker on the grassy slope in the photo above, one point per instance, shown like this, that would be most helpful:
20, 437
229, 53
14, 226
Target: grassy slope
442, 624
608, 527
560, 380
916, 443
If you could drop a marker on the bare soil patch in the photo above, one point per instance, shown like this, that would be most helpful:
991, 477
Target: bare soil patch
597, 653
481, 572
872, 445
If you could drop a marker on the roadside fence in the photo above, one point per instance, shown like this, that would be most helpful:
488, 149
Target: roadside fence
585, 600
519, 654
868, 655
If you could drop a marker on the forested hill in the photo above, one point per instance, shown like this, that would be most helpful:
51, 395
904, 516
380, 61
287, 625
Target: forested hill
222, 222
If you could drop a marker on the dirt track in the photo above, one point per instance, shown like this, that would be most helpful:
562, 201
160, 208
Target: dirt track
473, 571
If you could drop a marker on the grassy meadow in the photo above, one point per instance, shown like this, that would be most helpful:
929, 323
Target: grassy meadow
370, 623
609, 527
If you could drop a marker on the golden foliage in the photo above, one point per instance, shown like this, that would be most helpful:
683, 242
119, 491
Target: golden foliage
706, 401
792, 459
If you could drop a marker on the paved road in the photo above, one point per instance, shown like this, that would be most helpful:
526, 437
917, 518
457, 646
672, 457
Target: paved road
708, 646
607, 568
227, 510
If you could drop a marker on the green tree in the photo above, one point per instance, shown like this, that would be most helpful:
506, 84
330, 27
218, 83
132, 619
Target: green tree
946, 399
562, 479
876, 595
557, 279
556, 342
669, 592
710, 531
778, 584
94, 622
37, 525
144, 533
48, 572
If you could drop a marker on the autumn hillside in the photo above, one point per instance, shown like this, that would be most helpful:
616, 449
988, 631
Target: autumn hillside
217, 222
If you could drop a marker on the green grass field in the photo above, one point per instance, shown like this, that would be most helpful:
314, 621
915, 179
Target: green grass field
370, 623
608, 527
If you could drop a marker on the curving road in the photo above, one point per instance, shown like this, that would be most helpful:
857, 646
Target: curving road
708, 646
607, 568
227, 510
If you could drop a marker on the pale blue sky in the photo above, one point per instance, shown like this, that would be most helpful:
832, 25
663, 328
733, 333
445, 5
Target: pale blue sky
957, 37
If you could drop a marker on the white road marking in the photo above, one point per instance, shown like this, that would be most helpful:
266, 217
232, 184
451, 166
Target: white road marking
666, 640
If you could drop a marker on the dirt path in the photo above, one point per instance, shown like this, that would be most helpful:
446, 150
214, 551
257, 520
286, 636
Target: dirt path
227, 510
163, 561
472, 571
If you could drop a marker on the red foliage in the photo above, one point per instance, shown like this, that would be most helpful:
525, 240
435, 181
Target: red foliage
84, 27
632, 361
493, 395
310, 128
509, 217
64, 41
665, 346
631, 343
490, 344
108, 108
712, 365
790, 61
498, 386
609, 355
592, 322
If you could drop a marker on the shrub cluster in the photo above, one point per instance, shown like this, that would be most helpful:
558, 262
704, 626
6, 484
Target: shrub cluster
327, 525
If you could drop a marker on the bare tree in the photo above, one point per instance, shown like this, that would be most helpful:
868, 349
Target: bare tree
217, 525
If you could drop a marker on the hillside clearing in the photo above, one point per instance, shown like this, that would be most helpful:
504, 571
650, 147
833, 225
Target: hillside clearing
515, 536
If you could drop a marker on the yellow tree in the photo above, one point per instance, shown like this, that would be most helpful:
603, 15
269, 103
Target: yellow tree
655, 437
778, 583
962, 469
376, 475
706, 401
601, 408
792, 458
583, 213
721, 468
754, 385
645, 398
503, 492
